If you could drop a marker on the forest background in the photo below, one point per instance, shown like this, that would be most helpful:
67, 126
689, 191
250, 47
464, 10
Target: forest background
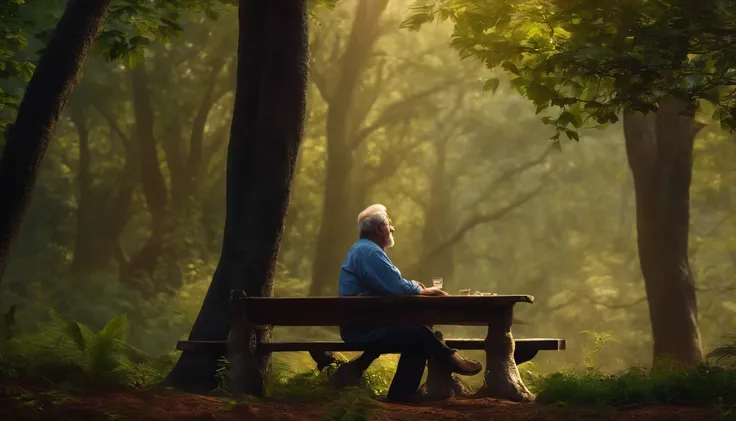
128, 211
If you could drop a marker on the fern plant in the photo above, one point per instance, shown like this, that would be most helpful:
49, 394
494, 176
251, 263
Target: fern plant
69, 352
725, 352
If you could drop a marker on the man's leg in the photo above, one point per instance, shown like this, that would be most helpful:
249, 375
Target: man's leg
417, 343
421, 340
408, 377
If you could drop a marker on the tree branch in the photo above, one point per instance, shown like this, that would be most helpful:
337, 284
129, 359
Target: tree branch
113, 124
509, 173
196, 138
218, 138
154, 187
481, 219
396, 111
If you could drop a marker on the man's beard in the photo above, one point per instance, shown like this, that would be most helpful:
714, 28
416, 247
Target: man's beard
390, 242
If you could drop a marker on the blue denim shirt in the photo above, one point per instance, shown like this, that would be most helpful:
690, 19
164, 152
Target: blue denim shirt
367, 271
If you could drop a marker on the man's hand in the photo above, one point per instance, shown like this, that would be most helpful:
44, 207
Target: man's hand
433, 291
421, 285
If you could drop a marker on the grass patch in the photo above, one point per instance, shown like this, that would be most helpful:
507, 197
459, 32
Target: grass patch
285, 383
709, 385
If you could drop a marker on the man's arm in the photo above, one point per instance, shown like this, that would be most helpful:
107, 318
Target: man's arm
433, 291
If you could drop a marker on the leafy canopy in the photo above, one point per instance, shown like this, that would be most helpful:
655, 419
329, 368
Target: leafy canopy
132, 25
595, 58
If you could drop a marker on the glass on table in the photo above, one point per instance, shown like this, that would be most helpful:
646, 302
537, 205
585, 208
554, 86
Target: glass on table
437, 282
465, 292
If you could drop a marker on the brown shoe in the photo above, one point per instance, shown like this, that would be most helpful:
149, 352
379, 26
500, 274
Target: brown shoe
460, 365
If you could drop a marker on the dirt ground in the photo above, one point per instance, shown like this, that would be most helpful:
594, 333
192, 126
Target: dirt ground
34, 405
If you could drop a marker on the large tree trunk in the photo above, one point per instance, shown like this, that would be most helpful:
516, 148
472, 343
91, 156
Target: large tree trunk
267, 128
336, 226
44, 99
660, 153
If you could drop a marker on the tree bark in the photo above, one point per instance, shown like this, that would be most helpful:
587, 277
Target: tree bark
438, 223
266, 131
660, 153
334, 234
45, 98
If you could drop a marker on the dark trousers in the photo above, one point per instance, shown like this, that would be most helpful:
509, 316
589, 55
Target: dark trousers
416, 343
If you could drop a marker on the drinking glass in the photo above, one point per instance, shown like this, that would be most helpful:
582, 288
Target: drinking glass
437, 282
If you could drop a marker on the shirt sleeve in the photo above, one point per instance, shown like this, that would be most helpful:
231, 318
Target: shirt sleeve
385, 278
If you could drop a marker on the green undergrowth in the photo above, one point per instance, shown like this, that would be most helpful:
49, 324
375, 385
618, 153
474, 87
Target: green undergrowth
67, 354
286, 383
707, 385
70, 356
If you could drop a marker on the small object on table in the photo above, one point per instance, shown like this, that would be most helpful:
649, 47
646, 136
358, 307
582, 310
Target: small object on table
437, 282
465, 292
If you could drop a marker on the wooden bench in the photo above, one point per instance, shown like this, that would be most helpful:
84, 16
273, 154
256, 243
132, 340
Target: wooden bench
246, 342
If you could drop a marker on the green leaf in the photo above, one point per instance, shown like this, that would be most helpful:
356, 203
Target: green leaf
116, 328
170, 23
510, 67
540, 94
491, 84
74, 331
572, 135
212, 13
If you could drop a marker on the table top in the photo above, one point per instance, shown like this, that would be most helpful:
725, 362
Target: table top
336, 311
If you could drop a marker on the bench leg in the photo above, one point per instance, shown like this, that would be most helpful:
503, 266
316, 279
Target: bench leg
248, 368
502, 378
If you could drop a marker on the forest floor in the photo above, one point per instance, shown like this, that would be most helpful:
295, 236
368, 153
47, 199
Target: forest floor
27, 404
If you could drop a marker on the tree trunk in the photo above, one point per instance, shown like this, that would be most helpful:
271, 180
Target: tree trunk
438, 224
143, 263
102, 212
266, 131
337, 227
660, 153
45, 98
167, 206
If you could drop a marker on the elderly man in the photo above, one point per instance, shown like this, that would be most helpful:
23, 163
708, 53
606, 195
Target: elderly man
367, 271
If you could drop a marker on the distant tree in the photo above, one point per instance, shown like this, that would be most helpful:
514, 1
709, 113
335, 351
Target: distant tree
595, 60
45, 97
133, 24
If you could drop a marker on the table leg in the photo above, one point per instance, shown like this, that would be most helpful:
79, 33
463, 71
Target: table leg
502, 378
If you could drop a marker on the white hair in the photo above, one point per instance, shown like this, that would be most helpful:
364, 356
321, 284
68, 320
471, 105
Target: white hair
371, 218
